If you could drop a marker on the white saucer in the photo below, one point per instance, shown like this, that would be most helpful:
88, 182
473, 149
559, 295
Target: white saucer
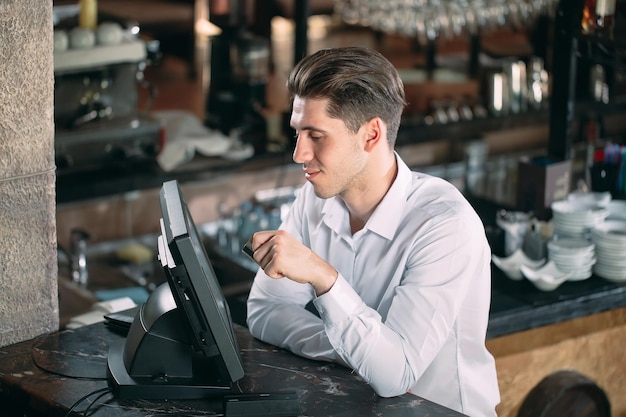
546, 278
510, 265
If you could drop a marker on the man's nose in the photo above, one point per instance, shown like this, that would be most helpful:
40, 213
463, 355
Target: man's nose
302, 152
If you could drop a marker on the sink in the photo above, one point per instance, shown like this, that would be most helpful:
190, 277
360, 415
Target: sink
107, 272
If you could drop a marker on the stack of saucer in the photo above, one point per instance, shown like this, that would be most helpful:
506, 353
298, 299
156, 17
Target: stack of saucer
609, 238
575, 219
617, 210
573, 255
601, 198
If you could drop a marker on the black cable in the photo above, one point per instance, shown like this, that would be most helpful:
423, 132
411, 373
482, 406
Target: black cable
83, 398
88, 409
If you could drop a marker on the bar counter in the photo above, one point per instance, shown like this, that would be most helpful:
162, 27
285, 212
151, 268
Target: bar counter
517, 305
47, 375
530, 332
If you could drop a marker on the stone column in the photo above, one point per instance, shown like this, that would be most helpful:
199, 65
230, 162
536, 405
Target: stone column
28, 265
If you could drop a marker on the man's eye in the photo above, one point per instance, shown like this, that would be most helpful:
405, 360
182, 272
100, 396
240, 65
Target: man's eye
296, 136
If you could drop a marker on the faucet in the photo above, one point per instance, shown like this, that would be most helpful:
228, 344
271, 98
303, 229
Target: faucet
78, 256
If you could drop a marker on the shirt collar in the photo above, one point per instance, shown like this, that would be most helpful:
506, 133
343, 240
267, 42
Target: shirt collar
387, 216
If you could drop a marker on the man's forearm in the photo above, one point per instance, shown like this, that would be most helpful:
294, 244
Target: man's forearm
291, 327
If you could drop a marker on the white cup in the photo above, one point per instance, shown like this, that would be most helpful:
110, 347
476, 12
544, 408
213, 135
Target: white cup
82, 38
515, 225
61, 41
109, 33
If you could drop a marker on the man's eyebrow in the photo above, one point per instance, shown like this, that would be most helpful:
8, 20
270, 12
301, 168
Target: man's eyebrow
310, 128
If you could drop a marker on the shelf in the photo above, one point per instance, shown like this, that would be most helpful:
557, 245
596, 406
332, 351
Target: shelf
602, 50
570, 47
411, 133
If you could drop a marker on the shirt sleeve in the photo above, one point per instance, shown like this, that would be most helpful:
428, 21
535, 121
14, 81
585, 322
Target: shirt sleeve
277, 310
277, 315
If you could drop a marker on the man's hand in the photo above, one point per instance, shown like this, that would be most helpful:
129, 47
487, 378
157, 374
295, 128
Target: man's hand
281, 255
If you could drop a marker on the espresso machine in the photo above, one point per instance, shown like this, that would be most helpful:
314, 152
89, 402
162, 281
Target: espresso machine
96, 115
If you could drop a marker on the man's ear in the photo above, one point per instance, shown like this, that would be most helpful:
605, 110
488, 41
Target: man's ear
375, 133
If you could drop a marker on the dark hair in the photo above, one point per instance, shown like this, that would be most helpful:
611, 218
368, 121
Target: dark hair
359, 83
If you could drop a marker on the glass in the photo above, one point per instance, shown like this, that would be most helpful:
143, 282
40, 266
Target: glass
431, 19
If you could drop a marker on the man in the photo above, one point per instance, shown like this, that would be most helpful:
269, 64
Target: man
395, 262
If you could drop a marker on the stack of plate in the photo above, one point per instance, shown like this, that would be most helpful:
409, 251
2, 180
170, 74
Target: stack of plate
609, 238
575, 256
574, 219
617, 210
602, 199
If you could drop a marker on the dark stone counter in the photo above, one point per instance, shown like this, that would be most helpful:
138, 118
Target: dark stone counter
48, 375
518, 305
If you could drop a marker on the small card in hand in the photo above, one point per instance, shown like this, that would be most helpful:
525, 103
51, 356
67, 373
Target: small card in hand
247, 249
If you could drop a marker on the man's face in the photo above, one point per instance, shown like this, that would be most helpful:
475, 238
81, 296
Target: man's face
333, 158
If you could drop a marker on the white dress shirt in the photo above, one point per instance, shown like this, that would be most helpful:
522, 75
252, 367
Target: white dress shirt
410, 306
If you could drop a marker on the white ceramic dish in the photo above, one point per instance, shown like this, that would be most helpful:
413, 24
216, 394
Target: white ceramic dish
575, 256
594, 197
82, 38
613, 274
546, 278
109, 33
617, 210
61, 40
614, 230
612, 250
576, 209
510, 265
570, 245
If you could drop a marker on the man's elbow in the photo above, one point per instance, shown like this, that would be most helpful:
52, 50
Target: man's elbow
252, 321
386, 389
388, 392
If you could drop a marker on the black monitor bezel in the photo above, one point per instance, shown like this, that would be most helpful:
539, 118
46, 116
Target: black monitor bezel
194, 285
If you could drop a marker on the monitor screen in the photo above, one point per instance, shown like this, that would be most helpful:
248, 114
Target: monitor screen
181, 343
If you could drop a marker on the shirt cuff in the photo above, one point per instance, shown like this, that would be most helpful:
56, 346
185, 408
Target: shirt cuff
339, 303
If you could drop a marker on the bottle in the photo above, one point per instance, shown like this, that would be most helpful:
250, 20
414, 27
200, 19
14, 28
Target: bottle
605, 17
88, 14
535, 95
598, 87
598, 17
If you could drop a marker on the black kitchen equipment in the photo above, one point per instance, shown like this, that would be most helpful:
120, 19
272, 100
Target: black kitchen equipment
236, 97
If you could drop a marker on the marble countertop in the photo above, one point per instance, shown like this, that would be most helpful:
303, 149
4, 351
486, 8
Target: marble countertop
518, 305
47, 375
